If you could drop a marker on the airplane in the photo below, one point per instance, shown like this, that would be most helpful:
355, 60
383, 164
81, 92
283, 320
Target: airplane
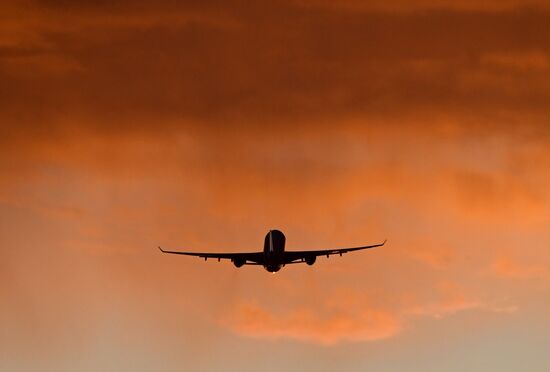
274, 256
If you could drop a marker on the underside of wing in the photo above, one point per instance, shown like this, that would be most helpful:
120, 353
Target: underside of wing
239, 259
310, 256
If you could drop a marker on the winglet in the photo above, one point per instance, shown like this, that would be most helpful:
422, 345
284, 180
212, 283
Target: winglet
161, 250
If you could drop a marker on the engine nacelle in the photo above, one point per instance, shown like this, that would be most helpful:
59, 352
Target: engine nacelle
238, 262
310, 260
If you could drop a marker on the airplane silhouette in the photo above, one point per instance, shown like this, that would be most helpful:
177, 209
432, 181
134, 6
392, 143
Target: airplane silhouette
274, 256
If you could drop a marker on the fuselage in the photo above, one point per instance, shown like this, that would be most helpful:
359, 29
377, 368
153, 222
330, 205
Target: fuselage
274, 248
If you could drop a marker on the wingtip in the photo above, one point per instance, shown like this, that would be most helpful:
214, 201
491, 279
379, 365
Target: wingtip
161, 249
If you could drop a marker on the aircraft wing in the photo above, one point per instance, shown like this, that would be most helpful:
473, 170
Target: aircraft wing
252, 258
303, 256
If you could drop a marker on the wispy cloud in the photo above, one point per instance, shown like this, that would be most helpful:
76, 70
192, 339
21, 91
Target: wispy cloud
350, 316
251, 320
506, 267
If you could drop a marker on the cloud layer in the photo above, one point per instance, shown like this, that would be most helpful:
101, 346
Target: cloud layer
132, 124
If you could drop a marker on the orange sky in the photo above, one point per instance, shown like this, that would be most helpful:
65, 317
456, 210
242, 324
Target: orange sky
129, 125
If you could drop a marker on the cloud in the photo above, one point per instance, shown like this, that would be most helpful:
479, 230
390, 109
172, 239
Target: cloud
452, 299
125, 67
423, 5
40, 64
351, 316
251, 320
505, 267
204, 125
527, 61
432, 254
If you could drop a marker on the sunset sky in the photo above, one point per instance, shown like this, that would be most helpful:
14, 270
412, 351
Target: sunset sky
201, 125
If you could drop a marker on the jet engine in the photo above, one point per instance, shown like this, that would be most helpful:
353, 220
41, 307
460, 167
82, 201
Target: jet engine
310, 260
238, 262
